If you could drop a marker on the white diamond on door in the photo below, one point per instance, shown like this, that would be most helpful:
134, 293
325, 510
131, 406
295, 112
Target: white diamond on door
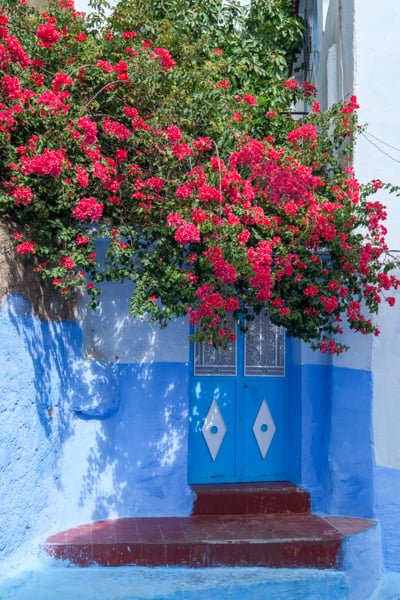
264, 428
214, 429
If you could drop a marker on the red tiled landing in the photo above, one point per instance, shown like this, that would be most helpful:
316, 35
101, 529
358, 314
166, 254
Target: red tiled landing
250, 498
277, 540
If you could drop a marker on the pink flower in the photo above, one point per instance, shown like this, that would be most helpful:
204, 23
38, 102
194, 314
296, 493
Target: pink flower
116, 129
231, 304
308, 89
82, 177
291, 84
304, 132
167, 62
54, 100
50, 162
187, 233
243, 237
48, 35
121, 155
183, 191
202, 144
329, 303
105, 65
82, 240
181, 151
26, 248
311, 290
155, 183
11, 87
89, 129
249, 99
88, 208
16, 51
173, 133
223, 84
139, 125
174, 220
67, 262
130, 111
60, 80
22, 195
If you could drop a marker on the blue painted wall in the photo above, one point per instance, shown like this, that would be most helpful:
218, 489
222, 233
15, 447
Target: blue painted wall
91, 438
387, 511
59, 466
337, 453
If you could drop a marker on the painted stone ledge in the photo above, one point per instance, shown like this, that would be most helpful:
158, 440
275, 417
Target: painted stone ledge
289, 540
250, 498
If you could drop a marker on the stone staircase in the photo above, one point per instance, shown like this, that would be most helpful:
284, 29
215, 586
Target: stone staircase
261, 524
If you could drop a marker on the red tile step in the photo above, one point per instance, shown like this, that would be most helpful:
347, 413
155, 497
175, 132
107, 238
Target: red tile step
269, 540
250, 498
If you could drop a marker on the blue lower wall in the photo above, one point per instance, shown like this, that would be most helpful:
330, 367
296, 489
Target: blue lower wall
83, 439
387, 511
337, 449
91, 439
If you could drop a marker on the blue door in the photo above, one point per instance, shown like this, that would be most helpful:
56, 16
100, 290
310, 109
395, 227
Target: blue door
238, 418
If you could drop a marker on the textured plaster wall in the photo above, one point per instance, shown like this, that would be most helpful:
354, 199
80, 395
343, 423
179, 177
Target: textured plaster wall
362, 38
335, 41
93, 413
359, 54
83, 439
378, 87
336, 435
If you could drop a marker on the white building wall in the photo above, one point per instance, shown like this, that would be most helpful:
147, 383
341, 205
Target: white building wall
359, 54
336, 60
378, 89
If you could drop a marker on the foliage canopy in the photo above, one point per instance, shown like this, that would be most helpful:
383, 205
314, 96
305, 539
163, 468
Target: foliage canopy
168, 133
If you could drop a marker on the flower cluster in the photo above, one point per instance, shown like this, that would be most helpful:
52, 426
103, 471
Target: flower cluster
264, 216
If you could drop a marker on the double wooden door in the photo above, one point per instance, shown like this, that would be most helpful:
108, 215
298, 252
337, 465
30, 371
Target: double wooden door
238, 416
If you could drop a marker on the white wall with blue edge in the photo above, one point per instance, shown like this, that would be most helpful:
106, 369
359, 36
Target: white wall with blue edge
85, 439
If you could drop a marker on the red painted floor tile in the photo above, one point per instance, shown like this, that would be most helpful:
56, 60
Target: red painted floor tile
126, 530
103, 532
288, 539
248, 498
350, 525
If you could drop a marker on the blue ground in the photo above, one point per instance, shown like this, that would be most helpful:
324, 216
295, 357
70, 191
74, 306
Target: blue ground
389, 588
127, 583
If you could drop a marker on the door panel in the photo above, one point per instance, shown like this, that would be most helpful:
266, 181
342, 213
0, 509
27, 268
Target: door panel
263, 436
238, 422
212, 415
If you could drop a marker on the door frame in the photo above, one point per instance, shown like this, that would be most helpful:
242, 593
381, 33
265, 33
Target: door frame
238, 380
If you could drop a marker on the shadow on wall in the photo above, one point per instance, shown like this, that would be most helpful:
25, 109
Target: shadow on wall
86, 439
110, 333
143, 448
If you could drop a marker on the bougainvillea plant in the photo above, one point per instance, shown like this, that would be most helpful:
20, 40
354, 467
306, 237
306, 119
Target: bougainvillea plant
267, 216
